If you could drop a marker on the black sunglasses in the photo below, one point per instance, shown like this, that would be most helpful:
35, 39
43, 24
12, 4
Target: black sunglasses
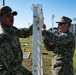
61, 24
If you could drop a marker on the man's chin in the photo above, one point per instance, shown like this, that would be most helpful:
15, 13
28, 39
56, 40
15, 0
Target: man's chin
9, 25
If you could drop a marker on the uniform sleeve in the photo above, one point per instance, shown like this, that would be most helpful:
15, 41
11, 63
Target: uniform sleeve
63, 39
7, 56
48, 45
23, 32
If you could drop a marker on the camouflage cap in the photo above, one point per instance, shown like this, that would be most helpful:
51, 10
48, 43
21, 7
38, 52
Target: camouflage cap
7, 9
65, 19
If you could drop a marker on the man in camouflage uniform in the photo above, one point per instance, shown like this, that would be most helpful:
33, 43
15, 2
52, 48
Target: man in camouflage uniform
10, 50
62, 44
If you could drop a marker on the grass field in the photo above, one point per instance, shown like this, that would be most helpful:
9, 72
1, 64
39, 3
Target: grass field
46, 58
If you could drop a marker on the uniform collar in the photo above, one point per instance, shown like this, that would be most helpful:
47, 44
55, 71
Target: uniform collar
11, 30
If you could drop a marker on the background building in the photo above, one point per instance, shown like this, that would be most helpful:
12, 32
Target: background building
73, 29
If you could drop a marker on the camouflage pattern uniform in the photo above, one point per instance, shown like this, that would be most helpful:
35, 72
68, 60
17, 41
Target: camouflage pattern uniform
10, 51
63, 46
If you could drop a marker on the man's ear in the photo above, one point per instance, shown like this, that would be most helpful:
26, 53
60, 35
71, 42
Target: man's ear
68, 25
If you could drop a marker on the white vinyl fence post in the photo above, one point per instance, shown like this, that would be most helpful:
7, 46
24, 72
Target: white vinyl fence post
37, 40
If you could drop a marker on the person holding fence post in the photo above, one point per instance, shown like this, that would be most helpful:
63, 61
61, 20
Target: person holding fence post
11, 55
62, 44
